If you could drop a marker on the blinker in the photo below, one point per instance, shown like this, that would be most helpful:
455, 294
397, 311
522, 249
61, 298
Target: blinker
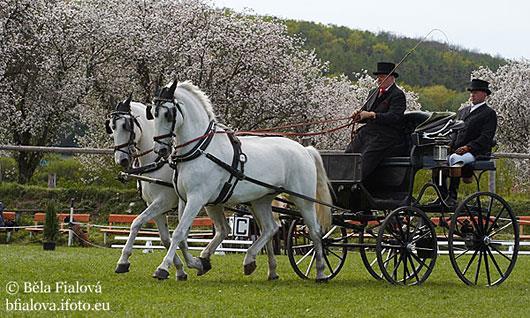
107, 127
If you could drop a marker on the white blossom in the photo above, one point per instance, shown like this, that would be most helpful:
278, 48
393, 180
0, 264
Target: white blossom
510, 98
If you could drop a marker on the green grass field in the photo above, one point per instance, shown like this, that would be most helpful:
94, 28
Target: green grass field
226, 292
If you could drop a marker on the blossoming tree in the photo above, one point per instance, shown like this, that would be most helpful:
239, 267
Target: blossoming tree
510, 98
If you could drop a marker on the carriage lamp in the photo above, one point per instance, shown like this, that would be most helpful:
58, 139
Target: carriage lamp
440, 153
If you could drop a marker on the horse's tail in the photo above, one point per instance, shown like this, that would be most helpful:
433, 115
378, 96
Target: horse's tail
323, 194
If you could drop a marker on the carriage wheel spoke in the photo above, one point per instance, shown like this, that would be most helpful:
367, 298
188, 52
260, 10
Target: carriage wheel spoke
330, 232
495, 263
501, 253
463, 253
400, 226
420, 237
487, 266
405, 268
470, 262
409, 220
497, 218
502, 228
310, 265
479, 216
329, 264
488, 215
419, 260
475, 225
336, 255
478, 267
396, 266
413, 267
305, 255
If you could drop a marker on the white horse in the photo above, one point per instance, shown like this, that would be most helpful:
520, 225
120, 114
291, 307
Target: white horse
186, 113
133, 137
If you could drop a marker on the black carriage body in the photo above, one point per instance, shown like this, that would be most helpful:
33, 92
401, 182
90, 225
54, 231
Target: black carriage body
392, 183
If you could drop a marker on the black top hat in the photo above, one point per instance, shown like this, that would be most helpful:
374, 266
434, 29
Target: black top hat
479, 85
386, 68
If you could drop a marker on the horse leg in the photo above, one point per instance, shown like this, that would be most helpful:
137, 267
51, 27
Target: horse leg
191, 261
263, 215
150, 212
222, 229
272, 275
191, 210
309, 214
163, 229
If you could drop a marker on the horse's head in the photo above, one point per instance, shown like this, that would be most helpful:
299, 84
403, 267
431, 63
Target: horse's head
168, 117
120, 126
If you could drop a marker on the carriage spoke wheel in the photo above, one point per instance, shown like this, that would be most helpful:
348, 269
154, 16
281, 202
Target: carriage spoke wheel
406, 247
302, 255
483, 240
367, 241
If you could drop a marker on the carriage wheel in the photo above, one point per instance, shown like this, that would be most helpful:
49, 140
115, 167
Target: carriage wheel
367, 241
301, 250
483, 239
406, 247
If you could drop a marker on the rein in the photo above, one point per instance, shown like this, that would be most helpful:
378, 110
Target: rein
270, 132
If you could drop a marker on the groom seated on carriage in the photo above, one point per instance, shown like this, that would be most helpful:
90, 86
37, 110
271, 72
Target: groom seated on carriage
383, 134
475, 139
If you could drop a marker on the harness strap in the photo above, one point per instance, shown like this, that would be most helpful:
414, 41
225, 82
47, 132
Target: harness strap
241, 176
154, 166
239, 158
198, 148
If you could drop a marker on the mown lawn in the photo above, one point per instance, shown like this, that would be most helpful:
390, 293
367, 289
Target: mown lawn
226, 292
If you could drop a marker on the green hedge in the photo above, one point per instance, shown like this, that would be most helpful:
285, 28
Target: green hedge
99, 202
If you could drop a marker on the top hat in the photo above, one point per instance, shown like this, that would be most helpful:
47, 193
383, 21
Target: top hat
386, 68
479, 85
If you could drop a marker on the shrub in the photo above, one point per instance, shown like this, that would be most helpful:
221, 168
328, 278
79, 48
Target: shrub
51, 224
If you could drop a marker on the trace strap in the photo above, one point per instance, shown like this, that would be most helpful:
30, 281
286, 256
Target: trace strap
241, 176
239, 158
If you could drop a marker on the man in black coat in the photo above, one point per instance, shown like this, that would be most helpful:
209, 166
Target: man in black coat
477, 136
382, 135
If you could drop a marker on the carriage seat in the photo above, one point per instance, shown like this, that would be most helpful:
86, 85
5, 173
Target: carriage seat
483, 163
413, 119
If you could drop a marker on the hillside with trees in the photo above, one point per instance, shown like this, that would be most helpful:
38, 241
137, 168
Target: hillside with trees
438, 72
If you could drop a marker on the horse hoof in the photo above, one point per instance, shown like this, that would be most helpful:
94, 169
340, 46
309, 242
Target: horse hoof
322, 280
249, 268
182, 278
161, 274
275, 277
122, 268
206, 266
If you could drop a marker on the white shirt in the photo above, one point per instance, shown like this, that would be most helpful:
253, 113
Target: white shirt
476, 106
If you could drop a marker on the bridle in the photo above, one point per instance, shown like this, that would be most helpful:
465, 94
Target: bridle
171, 116
129, 147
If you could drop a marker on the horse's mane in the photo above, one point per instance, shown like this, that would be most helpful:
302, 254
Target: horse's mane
205, 101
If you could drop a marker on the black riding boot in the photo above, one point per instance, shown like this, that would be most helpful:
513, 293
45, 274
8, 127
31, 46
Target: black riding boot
453, 188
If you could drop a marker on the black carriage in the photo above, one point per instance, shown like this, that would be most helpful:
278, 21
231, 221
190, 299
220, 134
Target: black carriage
399, 236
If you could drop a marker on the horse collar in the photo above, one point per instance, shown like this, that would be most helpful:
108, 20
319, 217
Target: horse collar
199, 147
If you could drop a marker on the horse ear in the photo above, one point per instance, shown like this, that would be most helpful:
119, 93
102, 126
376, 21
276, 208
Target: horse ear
129, 99
107, 127
148, 113
173, 87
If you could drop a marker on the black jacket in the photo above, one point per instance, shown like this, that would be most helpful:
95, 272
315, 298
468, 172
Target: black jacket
479, 130
387, 127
